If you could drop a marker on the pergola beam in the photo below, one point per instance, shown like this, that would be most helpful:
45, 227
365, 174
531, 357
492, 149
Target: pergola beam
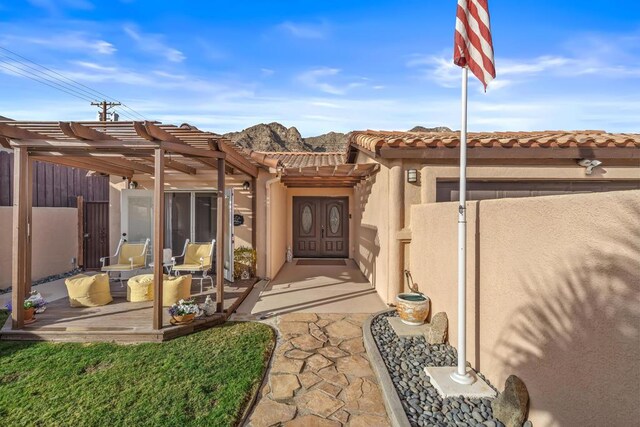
75, 162
78, 131
180, 167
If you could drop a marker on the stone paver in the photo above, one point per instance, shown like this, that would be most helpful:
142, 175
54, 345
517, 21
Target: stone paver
320, 375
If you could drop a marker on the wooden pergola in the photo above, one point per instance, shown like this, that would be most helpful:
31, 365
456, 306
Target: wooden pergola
122, 149
337, 176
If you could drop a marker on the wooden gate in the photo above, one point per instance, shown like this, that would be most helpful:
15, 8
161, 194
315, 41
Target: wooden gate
95, 240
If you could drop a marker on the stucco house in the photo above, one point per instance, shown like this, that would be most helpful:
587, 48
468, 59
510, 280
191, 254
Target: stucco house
537, 245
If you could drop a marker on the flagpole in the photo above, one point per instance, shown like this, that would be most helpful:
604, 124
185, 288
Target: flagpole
461, 375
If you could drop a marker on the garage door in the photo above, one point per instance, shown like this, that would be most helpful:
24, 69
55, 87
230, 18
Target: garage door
447, 191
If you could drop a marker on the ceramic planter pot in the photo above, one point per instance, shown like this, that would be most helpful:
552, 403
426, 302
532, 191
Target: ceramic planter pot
413, 308
186, 318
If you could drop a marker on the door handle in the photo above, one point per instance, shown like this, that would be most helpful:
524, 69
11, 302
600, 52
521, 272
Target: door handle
322, 231
86, 235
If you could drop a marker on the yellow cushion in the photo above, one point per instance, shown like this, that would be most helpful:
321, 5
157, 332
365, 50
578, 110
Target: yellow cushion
140, 287
189, 267
132, 250
122, 267
175, 289
195, 251
88, 291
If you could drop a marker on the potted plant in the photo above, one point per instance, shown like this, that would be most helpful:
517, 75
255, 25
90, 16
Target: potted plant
412, 307
34, 304
184, 311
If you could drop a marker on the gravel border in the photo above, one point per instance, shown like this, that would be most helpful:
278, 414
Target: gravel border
392, 402
410, 398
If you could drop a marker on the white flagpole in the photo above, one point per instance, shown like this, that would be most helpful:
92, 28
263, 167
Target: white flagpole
461, 375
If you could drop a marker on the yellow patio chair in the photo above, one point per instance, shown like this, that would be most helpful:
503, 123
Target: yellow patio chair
130, 257
196, 257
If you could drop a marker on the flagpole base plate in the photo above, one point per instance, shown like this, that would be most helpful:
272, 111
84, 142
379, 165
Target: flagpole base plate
441, 379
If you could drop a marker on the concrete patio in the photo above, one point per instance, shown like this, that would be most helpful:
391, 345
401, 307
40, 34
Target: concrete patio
313, 289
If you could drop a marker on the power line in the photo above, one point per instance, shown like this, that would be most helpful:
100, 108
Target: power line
17, 71
102, 95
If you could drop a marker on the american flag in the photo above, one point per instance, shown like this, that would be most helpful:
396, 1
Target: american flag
473, 47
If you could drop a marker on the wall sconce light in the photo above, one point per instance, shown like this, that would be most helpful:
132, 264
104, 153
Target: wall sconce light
246, 185
133, 185
412, 176
589, 165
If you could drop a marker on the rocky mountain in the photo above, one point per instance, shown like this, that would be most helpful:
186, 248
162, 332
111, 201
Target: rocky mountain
276, 137
435, 129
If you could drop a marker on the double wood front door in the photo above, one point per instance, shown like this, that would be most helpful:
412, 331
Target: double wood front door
321, 227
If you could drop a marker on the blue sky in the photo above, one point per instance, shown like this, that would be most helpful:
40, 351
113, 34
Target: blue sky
326, 65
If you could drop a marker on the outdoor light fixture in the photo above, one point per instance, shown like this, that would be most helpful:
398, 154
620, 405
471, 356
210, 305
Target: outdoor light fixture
246, 186
133, 185
412, 176
589, 164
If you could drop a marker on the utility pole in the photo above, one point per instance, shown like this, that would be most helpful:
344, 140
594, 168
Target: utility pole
106, 106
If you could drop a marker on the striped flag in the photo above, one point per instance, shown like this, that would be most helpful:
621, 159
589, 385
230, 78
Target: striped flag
473, 47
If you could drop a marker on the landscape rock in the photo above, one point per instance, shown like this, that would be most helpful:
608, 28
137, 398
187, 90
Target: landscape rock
268, 413
312, 421
283, 386
306, 343
319, 403
510, 407
343, 330
436, 332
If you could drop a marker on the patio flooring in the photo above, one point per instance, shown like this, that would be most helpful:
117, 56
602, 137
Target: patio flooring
119, 321
320, 375
313, 289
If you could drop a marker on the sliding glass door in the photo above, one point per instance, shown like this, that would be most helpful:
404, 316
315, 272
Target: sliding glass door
188, 215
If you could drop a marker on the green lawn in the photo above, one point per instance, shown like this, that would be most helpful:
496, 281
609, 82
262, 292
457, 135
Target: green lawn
202, 379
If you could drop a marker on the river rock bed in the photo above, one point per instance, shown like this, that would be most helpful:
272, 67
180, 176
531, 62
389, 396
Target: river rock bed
405, 359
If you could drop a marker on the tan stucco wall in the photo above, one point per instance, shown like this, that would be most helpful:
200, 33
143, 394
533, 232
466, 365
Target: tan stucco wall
55, 242
371, 214
553, 295
277, 234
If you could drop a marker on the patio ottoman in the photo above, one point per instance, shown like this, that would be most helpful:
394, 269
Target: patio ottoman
88, 291
175, 289
140, 287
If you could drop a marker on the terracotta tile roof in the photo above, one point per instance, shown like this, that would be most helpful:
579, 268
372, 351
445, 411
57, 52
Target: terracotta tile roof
372, 140
299, 159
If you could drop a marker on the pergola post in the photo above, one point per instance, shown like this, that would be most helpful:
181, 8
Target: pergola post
158, 236
21, 268
220, 244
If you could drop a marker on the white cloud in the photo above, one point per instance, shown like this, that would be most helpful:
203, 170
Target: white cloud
153, 43
266, 72
76, 41
328, 80
305, 30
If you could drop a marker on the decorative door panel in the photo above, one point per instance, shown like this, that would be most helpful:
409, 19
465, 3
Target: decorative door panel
320, 227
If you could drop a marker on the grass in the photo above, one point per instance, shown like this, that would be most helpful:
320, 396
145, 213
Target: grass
203, 379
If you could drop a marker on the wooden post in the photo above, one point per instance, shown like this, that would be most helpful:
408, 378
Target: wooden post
20, 234
220, 243
80, 205
29, 208
158, 236
254, 209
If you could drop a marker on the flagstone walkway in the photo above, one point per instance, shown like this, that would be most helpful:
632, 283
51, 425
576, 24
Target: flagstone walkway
320, 375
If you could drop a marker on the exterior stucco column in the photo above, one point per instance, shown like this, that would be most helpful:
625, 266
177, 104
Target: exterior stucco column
396, 219
424, 184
